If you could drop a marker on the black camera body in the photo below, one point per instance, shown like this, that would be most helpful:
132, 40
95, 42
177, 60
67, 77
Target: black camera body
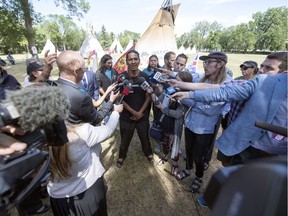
17, 170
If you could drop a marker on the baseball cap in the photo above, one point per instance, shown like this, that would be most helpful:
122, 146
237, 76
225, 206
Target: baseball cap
215, 55
249, 64
34, 66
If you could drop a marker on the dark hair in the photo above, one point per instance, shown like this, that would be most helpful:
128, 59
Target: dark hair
153, 56
132, 51
185, 76
182, 55
168, 54
281, 56
103, 61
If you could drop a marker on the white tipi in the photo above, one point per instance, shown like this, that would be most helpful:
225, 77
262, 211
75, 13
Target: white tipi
159, 38
91, 43
49, 46
129, 45
115, 47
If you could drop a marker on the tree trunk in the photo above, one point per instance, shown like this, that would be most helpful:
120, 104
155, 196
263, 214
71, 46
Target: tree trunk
28, 24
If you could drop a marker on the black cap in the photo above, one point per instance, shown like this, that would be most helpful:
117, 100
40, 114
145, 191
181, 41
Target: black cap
34, 66
215, 55
249, 64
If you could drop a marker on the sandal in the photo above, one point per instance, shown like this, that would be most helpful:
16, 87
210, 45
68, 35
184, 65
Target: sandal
174, 170
162, 160
182, 175
196, 185
119, 162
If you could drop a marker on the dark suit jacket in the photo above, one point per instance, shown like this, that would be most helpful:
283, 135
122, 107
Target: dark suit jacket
82, 109
92, 87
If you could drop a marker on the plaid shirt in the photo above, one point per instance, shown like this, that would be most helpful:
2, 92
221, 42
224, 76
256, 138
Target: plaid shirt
237, 106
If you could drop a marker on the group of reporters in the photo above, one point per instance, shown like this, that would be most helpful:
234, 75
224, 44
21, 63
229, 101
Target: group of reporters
76, 186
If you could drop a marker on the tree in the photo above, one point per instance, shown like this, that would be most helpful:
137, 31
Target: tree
23, 9
104, 38
271, 29
11, 34
126, 36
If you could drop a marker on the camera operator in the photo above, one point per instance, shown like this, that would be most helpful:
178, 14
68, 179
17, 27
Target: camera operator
9, 145
35, 115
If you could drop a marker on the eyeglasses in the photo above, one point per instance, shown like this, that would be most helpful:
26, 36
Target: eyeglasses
244, 67
109, 63
208, 62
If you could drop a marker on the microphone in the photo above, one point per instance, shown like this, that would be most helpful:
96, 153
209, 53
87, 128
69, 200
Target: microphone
119, 82
144, 85
126, 90
34, 107
121, 78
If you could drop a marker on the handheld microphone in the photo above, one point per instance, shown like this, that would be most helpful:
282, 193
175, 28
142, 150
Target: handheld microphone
126, 90
121, 78
34, 107
144, 85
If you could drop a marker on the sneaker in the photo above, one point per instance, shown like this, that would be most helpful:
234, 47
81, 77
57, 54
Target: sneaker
196, 185
201, 201
157, 149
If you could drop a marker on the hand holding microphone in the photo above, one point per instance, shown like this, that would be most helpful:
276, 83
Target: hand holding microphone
126, 90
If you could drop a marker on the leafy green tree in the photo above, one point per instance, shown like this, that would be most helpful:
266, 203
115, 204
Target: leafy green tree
271, 29
74, 38
126, 36
11, 33
104, 38
24, 10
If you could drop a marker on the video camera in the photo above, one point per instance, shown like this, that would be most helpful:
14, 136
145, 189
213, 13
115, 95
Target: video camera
258, 187
43, 115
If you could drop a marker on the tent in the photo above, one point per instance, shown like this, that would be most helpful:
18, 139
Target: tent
159, 37
49, 46
91, 43
115, 47
129, 45
181, 49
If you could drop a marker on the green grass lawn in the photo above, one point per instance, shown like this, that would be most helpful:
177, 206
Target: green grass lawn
234, 61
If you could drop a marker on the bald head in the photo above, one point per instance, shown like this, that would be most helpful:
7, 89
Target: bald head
68, 60
70, 64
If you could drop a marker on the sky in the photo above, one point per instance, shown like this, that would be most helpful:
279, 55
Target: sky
136, 15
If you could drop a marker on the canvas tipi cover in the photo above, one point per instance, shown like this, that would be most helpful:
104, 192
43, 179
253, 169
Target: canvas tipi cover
91, 43
115, 47
48, 46
129, 45
159, 38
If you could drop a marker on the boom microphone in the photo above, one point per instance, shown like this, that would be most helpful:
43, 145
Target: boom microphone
273, 128
34, 107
